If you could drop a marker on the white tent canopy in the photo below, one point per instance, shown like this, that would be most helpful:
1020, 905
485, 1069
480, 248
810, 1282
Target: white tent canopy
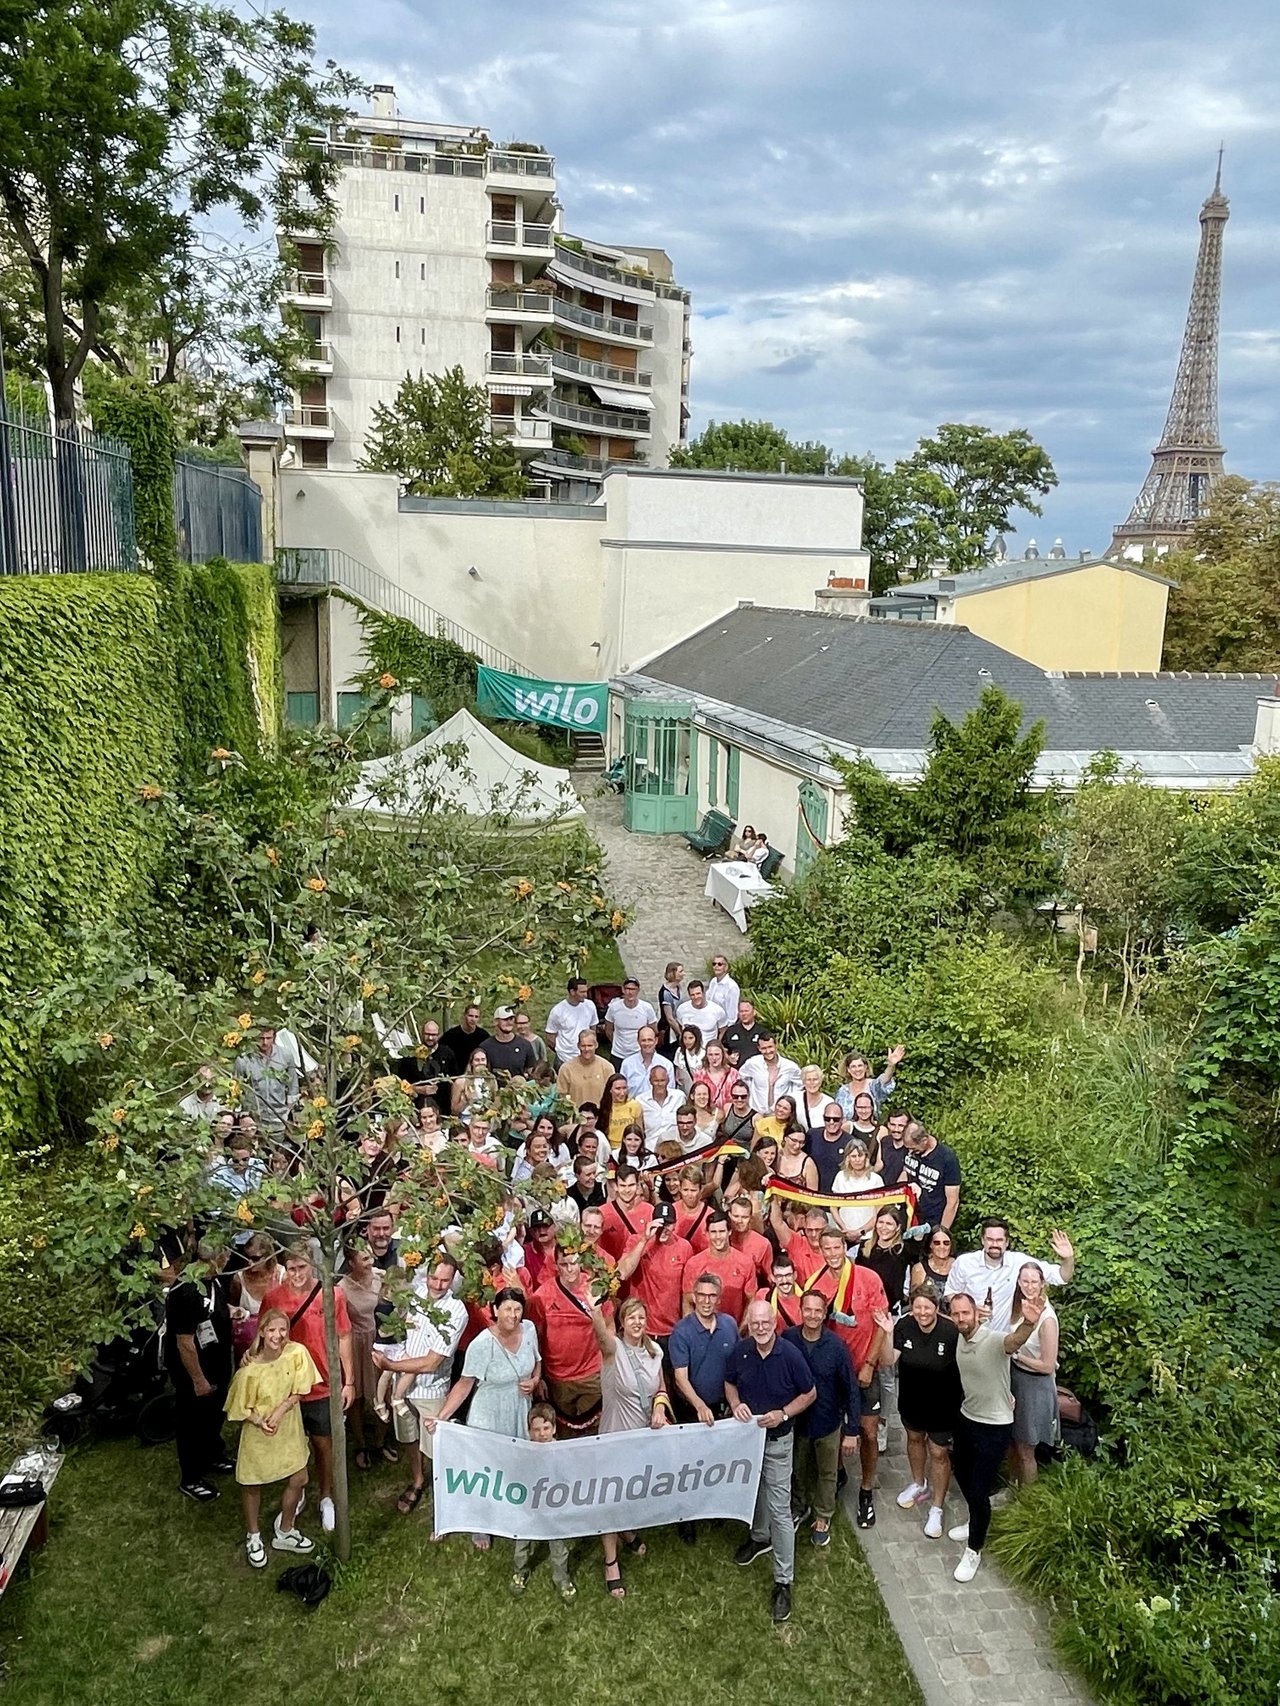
492, 777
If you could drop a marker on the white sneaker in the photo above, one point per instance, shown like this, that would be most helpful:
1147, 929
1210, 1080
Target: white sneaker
382, 1412
967, 1568
911, 1495
933, 1523
328, 1516
255, 1551
291, 1540
960, 1532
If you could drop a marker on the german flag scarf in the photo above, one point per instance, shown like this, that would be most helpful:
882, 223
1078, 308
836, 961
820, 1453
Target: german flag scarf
881, 1196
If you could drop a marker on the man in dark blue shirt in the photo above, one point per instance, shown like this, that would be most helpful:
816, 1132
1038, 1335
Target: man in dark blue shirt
829, 1428
700, 1347
769, 1380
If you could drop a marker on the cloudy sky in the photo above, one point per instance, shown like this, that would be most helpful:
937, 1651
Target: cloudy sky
893, 215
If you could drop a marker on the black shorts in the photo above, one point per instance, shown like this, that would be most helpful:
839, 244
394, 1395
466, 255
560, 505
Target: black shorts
939, 1429
316, 1422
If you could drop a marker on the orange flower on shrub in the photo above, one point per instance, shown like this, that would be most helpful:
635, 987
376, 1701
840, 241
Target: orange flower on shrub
232, 1091
220, 753
565, 888
387, 681
105, 1040
138, 1232
597, 900
244, 1214
144, 1190
118, 1115
244, 1020
150, 792
525, 991
273, 858
411, 1258
524, 887
529, 938
230, 1039
351, 1042
258, 979
315, 1129
618, 920
317, 885
110, 1142
319, 1102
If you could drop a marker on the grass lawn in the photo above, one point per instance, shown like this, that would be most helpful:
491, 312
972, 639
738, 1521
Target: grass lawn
143, 1599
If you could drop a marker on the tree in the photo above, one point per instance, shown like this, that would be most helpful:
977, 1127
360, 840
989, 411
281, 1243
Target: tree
976, 800
1224, 610
974, 480
315, 916
436, 438
126, 123
752, 447
1122, 848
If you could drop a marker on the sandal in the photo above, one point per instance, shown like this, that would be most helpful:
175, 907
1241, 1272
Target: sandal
410, 1499
388, 1454
613, 1584
635, 1546
363, 1460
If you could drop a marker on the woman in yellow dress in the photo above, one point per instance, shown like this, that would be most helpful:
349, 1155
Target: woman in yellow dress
264, 1396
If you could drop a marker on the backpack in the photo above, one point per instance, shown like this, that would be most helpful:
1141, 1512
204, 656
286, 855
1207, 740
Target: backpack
1076, 1427
311, 1583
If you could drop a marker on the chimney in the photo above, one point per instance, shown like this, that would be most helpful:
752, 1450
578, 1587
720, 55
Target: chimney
843, 595
384, 100
1266, 727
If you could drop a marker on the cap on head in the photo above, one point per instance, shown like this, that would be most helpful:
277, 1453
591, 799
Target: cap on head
664, 1214
504, 1012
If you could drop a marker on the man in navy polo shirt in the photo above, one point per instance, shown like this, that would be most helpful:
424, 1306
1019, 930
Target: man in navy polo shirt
830, 1430
769, 1380
700, 1347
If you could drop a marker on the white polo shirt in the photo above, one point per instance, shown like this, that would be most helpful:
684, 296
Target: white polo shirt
708, 1019
566, 1021
627, 1023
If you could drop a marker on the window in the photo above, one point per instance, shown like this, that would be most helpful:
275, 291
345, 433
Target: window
354, 708
397, 334
397, 269
302, 710
422, 334
422, 270
422, 204
396, 203
731, 781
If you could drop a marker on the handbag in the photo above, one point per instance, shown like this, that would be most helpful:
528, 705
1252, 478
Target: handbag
311, 1583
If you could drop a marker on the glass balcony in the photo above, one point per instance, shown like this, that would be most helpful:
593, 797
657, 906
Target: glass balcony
511, 234
309, 289
504, 163
605, 371
318, 359
595, 420
573, 315
518, 364
308, 420
515, 304
525, 434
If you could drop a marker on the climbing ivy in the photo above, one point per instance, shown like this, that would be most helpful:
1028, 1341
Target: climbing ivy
431, 665
130, 411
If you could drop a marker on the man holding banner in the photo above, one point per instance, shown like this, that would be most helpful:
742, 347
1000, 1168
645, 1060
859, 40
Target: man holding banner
769, 1380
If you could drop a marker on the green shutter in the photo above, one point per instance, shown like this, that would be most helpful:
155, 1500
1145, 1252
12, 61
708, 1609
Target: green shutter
302, 710
731, 781
713, 780
422, 717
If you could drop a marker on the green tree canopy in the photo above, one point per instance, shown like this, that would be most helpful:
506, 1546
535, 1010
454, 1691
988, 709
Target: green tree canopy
125, 125
436, 438
753, 447
1224, 612
975, 801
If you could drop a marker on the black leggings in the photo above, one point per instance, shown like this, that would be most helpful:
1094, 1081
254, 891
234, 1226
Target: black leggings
976, 1456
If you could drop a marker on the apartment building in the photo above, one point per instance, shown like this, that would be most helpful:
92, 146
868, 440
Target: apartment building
450, 251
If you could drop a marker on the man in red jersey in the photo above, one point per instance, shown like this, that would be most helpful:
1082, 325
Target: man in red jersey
743, 1236
736, 1272
571, 1360
626, 1214
652, 1266
856, 1294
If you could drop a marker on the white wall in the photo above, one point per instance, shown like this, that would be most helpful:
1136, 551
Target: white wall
661, 557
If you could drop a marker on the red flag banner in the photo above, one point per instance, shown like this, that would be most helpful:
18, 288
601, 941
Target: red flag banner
883, 1196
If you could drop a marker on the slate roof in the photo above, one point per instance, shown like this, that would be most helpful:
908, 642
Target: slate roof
876, 684
1013, 571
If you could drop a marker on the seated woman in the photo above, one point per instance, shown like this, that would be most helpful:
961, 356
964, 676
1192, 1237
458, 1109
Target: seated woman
745, 845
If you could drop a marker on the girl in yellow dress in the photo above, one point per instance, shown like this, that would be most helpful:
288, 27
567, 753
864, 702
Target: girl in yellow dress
264, 1395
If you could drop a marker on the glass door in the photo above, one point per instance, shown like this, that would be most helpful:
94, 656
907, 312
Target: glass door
661, 776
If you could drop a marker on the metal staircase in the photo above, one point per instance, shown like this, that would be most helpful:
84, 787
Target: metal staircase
318, 565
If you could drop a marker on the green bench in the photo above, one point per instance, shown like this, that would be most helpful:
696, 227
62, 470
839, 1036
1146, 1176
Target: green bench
712, 835
769, 864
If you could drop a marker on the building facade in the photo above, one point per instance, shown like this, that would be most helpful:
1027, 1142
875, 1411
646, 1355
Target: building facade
450, 252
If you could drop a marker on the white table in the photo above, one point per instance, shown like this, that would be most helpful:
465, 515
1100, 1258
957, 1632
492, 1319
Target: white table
735, 885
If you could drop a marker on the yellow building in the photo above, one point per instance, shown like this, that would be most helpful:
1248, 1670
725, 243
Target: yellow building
1060, 613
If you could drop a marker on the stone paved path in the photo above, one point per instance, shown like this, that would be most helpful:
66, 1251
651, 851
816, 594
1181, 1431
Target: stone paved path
661, 878
980, 1644
974, 1644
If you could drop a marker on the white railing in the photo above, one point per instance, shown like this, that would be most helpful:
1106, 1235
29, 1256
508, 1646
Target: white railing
519, 365
510, 233
308, 415
605, 371
522, 165
521, 301
606, 323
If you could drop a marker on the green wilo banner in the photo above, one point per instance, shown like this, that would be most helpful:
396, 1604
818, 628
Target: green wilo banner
580, 705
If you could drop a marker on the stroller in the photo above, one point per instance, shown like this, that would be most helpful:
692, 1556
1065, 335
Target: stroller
124, 1390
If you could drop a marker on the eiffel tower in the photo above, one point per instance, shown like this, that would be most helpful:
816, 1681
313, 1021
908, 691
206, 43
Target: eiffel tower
1187, 463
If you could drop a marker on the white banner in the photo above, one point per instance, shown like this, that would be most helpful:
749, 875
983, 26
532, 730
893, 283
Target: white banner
485, 1484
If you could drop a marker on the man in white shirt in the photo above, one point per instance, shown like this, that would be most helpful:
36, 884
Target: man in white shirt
702, 1014
723, 990
624, 1018
637, 1067
993, 1270
202, 1103
567, 1019
658, 1105
428, 1352
768, 1075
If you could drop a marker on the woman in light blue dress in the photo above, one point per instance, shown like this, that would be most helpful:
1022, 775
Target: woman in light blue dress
501, 1368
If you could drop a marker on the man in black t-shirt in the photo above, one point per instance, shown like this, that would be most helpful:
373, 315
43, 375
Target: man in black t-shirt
197, 1355
430, 1075
460, 1042
743, 1035
934, 1170
893, 1151
587, 1189
507, 1053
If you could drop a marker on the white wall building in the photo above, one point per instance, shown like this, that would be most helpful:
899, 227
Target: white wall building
572, 592
449, 252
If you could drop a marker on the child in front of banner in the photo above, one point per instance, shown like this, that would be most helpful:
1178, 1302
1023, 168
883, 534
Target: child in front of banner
542, 1430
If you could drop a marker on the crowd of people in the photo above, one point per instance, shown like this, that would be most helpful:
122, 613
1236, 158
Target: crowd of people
693, 1227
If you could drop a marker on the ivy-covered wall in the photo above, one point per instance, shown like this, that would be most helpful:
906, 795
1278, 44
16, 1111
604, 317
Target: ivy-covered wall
108, 682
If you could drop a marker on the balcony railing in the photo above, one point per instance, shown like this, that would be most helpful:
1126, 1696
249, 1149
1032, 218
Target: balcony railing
522, 165
601, 269
511, 234
510, 426
631, 330
521, 301
319, 355
309, 415
307, 284
404, 160
605, 371
519, 365
600, 420
587, 464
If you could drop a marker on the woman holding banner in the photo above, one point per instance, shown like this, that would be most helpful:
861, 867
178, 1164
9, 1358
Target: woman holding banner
633, 1394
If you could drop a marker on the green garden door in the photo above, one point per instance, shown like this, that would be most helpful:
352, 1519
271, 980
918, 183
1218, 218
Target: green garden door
811, 826
658, 745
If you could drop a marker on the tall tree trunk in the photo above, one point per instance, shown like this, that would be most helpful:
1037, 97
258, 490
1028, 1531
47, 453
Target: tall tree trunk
337, 1415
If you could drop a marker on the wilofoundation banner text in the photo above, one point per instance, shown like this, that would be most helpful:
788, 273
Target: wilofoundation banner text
485, 1484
